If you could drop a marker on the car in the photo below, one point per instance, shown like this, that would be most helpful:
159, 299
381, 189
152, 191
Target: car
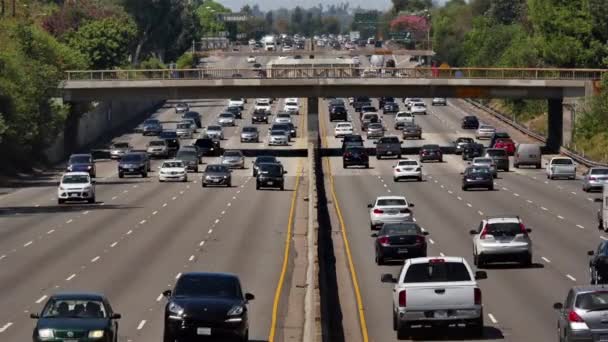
582, 315
76, 186
184, 130
355, 155
216, 174
262, 103
389, 146
368, 118
338, 113
170, 136
191, 122
439, 101
500, 157
117, 150
559, 167
436, 292
251, 59
430, 152
527, 154
485, 161
190, 158
289, 127
384, 99
375, 131
207, 305
181, 108
361, 101
233, 159
134, 163
498, 135
399, 241
234, 110
237, 102
342, 129
389, 209
158, 148
152, 127
282, 118
409, 100
469, 122
390, 108
226, 119
502, 238
401, 118
196, 116
477, 176
215, 132
278, 137
172, 170
472, 150
76, 316
595, 178
82, 162
270, 175
460, 143
208, 147
485, 132
334, 102
418, 108
259, 115
291, 106
263, 159
506, 144
351, 140
367, 109
250, 134
407, 168
598, 264
411, 130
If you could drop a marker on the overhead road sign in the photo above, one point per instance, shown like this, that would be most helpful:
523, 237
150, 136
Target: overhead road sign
233, 17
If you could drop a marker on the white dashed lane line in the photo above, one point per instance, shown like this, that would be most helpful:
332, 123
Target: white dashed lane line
543, 208
178, 275
28, 243
5, 327
50, 231
546, 260
142, 221
41, 299
141, 324
95, 259
72, 276
492, 318
441, 254
480, 212
570, 277
560, 217
579, 226
114, 244
469, 205
69, 221
159, 298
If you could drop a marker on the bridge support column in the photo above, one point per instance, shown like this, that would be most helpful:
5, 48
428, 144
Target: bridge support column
555, 125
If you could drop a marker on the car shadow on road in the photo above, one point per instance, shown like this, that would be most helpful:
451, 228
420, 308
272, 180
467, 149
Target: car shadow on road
456, 334
66, 208
510, 266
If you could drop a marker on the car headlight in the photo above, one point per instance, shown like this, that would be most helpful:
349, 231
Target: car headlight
70, 167
236, 310
225, 177
62, 188
96, 333
207, 177
89, 167
46, 333
175, 309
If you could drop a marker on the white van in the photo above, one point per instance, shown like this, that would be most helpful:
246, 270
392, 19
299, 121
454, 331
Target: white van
527, 154
602, 212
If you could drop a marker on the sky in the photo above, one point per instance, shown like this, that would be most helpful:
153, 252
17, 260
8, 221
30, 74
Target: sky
265, 5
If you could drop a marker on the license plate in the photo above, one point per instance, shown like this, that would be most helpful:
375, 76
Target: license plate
203, 331
392, 212
479, 178
389, 152
216, 180
440, 314
402, 250
131, 170
270, 183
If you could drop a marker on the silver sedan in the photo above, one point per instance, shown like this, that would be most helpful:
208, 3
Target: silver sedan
233, 159
226, 119
595, 178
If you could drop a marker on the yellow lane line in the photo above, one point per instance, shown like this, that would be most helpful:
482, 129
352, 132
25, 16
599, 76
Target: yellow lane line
277, 294
351, 265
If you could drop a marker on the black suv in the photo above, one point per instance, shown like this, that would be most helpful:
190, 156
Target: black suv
270, 175
208, 147
470, 122
472, 150
259, 116
355, 155
390, 108
234, 110
172, 141
194, 116
338, 113
134, 163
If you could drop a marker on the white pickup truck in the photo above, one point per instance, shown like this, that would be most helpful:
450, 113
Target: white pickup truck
437, 292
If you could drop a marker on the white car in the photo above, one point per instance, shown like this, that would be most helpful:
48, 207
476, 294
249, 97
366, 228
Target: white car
561, 167
409, 100
291, 107
407, 168
251, 59
483, 161
418, 108
262, 104
76, 186
439, 101
485, 132
278, 137
501, 239
401, 118
389, 209
173, 170
287, 48
342, 129
356, 60
237, 102
281, 118
215, 132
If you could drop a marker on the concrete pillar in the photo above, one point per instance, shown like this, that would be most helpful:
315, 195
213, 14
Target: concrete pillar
555, 125
312, 116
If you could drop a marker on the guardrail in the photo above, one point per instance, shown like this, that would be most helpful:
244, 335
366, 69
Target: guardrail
336, 72
563, 150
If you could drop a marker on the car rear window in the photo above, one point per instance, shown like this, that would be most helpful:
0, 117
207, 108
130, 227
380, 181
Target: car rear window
389, 140
503, 229
216, 168
599, 171
400, 229
375, 126
390, 202
250, 129
157, 143
121, 145
496, 153
408, 163
592, 301
173, 164
214, 128
436, 272
232, 154
183, 125
132, 158
478, 170
561, 161
80, 160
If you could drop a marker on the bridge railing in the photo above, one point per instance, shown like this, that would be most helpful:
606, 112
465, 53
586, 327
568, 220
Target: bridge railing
336, 72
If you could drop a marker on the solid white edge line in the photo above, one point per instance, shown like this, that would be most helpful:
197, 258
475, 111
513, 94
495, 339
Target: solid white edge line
546, 260
72, 276
41, 299
492, 318
570, 277
159, 298
5, 327
95, 259
579, 226
141, 324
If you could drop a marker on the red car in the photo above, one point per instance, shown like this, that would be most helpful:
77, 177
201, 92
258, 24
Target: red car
506, 144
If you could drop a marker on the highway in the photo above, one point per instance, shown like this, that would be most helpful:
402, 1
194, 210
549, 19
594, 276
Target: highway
141, 235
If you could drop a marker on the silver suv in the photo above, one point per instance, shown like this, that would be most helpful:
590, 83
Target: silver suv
501, 239
582, 317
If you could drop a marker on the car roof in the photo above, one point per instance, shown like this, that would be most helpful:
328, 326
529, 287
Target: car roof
78, 295
81, 155
505, 219
589, 288
173, 161
390, 197
75, 173
561, 158
425, 260
210, 274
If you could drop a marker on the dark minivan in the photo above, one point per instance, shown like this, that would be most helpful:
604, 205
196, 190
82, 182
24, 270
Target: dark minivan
208, 147
470, 122
172, 140
355, 155
270, 175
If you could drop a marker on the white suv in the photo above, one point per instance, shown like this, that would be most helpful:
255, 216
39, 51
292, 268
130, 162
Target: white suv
418, 108
502, 239
76, 186
389, 209
237, 102
292, 106
401, 118
262, 104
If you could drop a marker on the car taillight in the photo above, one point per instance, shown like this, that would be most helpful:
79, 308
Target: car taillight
484, 232
477, 295
402, 300
378, 211
574, 317
404, 211
349, 154
383, 240
436, 261
420, 240
592, 178
523, 229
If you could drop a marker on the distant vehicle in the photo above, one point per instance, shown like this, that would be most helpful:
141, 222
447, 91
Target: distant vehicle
502, 239
196, 116
506, 144
270, 175
402, 118
384, 99
172, 140
595, 178
134, 163
486, 161
152, 127
158, 149
399, 241
342, 129
250, 134
226, 119
251, 59
439, 101
485, 132
418, 108
82, 162
234, 110
477, 176
460, 143
430, 152
233, 159
76, 313
262, 104
237, 102
76, 186
119, 149
390, 108
389, 209
407, 169
369, 118
282, 118
189, 157
216, 174
469, 122
338, 113
411, 130
225, 311
598, 264
278, 137
527, 154
260, 115
269, 43
263, 159
559, 167
351, 140
292, 106
172, 170
500, 157
389, 146
374, 130
472, 150
190, 122
184, 131
289, 128
215, 132
181, 108
355, 155
581, 316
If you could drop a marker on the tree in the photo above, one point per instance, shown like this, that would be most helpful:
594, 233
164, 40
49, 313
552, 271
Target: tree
506, 11
450, 25
411, 5
106, 42
207, 14
331, 25
297, 18
73, 14
269, 21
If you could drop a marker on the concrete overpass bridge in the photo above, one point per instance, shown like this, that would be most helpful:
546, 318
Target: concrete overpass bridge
313, 82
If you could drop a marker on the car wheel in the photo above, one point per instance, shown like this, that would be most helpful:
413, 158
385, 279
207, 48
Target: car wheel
167, 337
344, 166
506, 170
527, 260
378, 157
185, 180
480, 261
464, 188
476, 329
91, 200
394, 320
403, 332
395, 179
60, 201
257, 186
585, 189
399, 156
144, 174
515, 165
538, 166
204, 185
367, 165
420, 179
120, 175
282, 187
229, 184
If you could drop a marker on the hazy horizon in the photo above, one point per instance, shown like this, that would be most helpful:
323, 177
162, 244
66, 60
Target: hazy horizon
265, 5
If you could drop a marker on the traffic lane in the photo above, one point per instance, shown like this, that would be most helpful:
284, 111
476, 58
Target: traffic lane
126, 267
239, 244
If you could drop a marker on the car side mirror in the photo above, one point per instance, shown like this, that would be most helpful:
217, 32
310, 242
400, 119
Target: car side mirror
374, 235
411, 205
528, 230
598, 200
590, 253
34, 315
93, 181
558, 306
388, 278
284, 172
370, 206
425, 233
462, 173
473, 232
116, 316
167, 293
375, 142
481, 275
249, 296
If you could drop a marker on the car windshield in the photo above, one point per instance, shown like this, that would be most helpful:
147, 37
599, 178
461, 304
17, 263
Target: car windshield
283, 115
438, 271
503, 229
214, 128
486, 127
250, 129
74, 308
168, 135
236, 99
470, 118
496, 153
80, 160
483, 161
216, 168
390, 202
375, 126
232, 154
594, 301
599, 172
271, 169
183, 126
277, 132
186, 155
389, 140
121, 145
265, 159
400, 229
151, 122
157, 143
344, 125
173, 164
226, 115
132, 158
75, 179
207, 286
408, 163
478, 170
562, 161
